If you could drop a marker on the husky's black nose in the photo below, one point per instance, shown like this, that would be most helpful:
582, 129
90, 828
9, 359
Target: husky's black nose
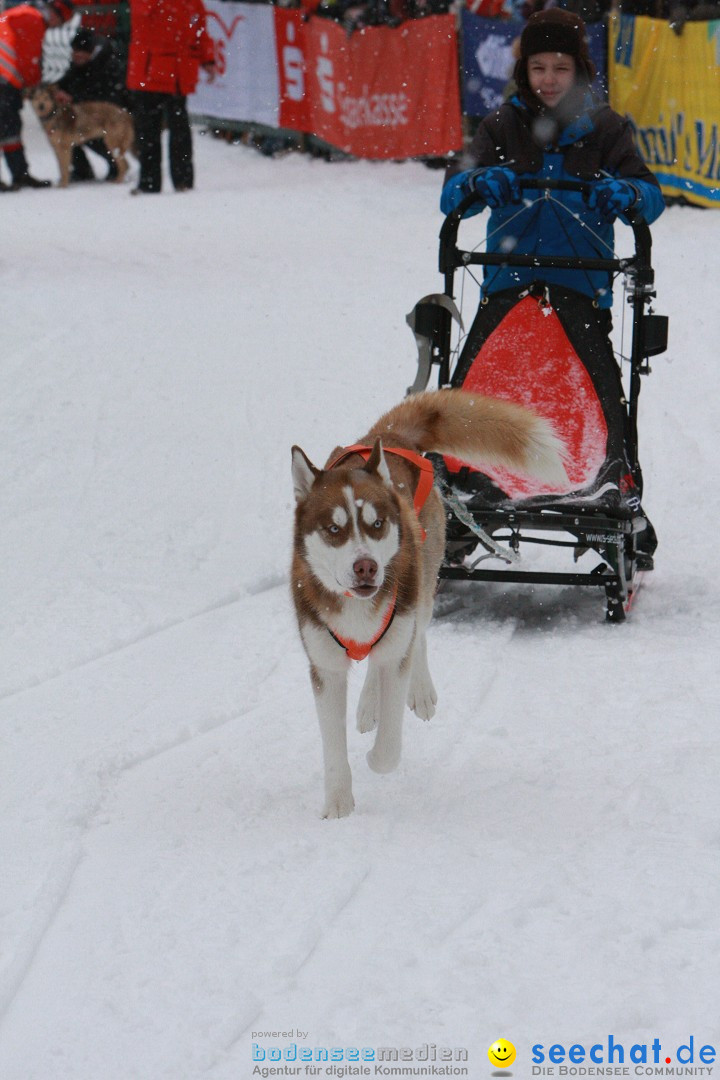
365, 570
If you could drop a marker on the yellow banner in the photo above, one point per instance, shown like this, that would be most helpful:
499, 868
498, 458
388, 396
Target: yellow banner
669, 87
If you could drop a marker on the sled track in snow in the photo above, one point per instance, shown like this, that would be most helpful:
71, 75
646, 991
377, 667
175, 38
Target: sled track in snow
146, 635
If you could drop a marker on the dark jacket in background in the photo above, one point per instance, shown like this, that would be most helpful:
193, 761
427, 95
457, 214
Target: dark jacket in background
101, 79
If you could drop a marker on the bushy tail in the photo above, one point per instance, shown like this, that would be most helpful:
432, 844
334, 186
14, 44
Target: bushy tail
478, 430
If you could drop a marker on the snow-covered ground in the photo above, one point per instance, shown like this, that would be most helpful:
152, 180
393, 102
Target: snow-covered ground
544, 865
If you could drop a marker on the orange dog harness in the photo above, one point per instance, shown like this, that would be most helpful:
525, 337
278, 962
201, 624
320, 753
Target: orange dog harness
427, 475
358, 650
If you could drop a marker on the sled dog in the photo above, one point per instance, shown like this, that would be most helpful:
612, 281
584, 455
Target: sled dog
368, 544
72, 125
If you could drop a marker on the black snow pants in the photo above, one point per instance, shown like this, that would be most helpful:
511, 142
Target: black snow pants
150, 112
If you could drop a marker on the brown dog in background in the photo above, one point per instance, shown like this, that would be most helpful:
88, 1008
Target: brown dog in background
72, 125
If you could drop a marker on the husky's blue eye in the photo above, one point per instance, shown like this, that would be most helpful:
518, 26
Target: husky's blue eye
333, 529
378, 524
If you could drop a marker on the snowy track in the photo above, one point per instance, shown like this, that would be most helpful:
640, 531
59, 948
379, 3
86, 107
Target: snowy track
544, 864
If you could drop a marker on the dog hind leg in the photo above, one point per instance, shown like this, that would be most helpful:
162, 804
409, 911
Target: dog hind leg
330, 689
117, 143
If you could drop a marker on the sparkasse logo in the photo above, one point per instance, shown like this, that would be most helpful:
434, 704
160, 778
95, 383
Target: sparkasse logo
610, 1058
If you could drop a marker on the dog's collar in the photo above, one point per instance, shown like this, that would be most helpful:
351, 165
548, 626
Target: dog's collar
427, 474
359, 650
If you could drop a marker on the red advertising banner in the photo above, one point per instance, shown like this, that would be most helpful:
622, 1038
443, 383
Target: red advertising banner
290, 32
384, 92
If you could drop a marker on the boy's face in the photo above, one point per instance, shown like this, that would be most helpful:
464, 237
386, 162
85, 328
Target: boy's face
551, 75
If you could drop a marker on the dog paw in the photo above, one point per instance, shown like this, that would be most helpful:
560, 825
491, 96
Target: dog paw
383, 761
422, 698
339, 804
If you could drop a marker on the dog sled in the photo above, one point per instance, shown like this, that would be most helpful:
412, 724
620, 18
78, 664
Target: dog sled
539, 346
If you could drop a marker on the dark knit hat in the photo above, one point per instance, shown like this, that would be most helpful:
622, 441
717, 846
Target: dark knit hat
555, 30
62, 8
84, 40
558, 31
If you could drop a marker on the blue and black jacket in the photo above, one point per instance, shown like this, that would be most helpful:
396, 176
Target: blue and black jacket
591, 145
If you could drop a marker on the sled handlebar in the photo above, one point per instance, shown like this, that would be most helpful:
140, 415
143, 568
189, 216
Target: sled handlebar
452, 257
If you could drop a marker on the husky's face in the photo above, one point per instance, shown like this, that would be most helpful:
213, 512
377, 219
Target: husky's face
348, 524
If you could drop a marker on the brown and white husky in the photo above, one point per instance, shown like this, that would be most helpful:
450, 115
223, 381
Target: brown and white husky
369, 542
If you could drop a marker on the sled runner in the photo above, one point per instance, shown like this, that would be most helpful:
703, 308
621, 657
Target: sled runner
546, 347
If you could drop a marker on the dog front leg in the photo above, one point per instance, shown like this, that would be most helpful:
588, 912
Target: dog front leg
393, 682
330, 689
422, 697
122, 166
64, 155
368, 708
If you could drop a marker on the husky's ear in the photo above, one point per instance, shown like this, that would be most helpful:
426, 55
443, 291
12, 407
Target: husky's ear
376, 463
303, 473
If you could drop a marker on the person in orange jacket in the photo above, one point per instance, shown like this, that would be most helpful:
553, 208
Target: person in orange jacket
22, 30
169, 42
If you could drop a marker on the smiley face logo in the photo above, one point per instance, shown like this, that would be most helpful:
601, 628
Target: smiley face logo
501, 1053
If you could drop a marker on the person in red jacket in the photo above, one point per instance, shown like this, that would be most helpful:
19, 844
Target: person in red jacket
169, 42
22, 30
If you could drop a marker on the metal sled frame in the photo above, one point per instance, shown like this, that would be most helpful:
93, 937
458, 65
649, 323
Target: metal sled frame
614, 539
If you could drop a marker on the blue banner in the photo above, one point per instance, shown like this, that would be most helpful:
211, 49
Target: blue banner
488, 62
